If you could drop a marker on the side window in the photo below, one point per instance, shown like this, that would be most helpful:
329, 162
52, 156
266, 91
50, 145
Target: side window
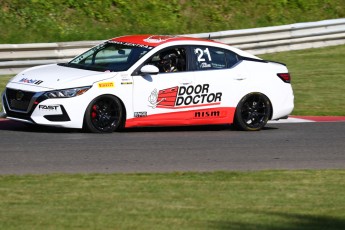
170, 60
231, 58
209, 58
213, 58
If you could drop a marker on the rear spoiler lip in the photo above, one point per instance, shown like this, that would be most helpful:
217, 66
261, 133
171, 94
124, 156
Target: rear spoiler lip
281, 63
260, 60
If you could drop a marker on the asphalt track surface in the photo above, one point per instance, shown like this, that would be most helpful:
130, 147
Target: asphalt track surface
302, 145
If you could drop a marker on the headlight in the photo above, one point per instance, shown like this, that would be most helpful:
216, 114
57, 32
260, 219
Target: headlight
65, 93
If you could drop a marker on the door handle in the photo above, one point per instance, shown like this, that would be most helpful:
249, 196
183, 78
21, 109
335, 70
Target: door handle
186, 83
239, 78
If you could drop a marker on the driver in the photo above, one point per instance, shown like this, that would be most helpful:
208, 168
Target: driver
168, 61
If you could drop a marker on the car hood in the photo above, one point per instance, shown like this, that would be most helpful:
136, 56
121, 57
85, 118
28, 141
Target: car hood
54, 76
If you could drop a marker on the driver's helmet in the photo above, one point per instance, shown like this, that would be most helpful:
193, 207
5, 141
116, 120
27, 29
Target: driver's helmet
168, 61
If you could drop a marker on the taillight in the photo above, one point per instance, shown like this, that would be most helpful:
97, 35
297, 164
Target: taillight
285, 77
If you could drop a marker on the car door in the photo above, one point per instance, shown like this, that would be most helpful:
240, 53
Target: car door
156, 99
220, 75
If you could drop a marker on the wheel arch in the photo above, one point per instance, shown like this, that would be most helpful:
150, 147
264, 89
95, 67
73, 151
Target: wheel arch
240, 103
122, 104
256, 92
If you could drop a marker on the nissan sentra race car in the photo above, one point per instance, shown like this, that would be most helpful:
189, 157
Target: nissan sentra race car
152, 80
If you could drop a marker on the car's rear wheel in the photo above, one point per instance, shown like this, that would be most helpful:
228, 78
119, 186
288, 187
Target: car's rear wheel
252, 112
104, 115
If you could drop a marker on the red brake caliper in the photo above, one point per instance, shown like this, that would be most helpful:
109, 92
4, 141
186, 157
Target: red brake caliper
94, 112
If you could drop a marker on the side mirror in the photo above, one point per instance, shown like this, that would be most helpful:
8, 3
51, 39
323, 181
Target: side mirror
149, 69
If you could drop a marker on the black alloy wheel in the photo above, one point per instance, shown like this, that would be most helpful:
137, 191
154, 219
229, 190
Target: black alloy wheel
252, 112
104, 115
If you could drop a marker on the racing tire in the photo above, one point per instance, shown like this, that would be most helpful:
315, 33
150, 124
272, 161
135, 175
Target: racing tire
105, 114
252, 112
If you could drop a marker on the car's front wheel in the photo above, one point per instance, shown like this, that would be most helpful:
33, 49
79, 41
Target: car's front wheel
252, 112
104, 115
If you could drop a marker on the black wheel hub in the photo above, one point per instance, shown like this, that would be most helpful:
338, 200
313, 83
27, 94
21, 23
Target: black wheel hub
104, 115
255, 111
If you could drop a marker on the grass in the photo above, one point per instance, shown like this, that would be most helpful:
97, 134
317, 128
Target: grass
3, 81
318, 79
219, 200
75, 20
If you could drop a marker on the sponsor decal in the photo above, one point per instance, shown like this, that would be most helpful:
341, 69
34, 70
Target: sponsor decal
140, 114
202, 114
184, 97
30, 81
131, 44
205, 65
153, 99
220, 115
126, 80
48, 107
158, 38
106, 85
125, 76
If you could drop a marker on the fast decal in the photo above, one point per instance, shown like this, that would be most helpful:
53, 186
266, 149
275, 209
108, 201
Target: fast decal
140, 114
31, 81
184, 97
106, 85
126, 83
48, 107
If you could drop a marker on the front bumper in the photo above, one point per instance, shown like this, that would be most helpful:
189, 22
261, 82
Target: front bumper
35, 108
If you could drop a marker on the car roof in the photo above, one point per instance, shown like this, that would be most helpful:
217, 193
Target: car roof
155, 40
151, 41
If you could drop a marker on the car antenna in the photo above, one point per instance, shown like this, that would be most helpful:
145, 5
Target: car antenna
209, 36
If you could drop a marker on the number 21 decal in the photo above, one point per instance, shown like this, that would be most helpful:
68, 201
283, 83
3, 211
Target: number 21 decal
201, 53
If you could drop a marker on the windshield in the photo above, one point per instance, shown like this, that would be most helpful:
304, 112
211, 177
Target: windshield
109, 56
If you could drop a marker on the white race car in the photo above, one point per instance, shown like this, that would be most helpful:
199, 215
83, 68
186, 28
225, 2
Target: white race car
152, 80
